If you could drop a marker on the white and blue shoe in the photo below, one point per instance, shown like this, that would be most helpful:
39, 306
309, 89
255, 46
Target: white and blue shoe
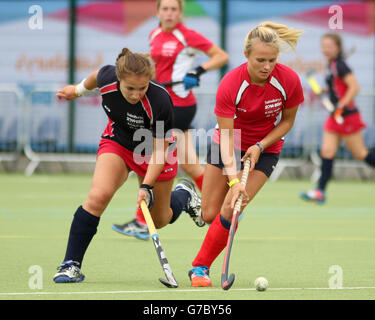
193, 206
134, 229
68, 272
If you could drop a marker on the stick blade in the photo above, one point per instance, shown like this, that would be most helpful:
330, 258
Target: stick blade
168, 283
226, 283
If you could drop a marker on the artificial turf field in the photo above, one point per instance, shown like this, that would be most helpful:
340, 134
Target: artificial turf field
290, 242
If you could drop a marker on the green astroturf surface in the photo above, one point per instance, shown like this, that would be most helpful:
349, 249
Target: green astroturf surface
291, 242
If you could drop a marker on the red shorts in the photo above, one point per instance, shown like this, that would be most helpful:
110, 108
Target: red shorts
138, 163
352, 124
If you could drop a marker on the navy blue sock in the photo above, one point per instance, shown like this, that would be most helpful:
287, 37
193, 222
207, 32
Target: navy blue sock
83, 228
370, 159
179, 198
326, 167
225, 223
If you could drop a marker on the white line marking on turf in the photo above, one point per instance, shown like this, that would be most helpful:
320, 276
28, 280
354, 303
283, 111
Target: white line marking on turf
168, 290
165, 238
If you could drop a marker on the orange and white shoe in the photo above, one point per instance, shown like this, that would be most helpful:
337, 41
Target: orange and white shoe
317, 196
199, 277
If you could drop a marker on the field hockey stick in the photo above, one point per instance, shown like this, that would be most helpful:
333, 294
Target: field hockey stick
171, 282
316, 88
172, 83
226, 282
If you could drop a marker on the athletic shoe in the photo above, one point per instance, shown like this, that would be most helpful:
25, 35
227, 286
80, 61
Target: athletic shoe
199, 277
68, 272
134, 229
316, 195
193, 206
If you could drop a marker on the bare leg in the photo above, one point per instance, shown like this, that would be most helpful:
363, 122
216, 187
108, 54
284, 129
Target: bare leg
354, 142
110, 173
161, 212
255, 182
214, 191
187, 157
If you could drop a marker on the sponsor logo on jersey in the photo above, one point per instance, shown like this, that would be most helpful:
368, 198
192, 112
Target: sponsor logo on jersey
241, 109
134, 121
272, 107
169, 48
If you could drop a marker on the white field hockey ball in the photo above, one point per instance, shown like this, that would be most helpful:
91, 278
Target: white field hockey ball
261, 284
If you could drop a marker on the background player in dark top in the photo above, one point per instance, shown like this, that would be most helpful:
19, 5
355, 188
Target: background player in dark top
173, 48
342, 89
134, 106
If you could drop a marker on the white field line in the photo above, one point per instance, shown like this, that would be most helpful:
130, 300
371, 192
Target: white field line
165, 238
243, 238
170, 290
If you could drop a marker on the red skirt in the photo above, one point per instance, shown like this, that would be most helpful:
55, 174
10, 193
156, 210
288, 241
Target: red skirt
138, 163
352, 124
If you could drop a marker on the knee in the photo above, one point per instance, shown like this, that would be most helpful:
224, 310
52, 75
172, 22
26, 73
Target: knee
327, 153
161, 215
208, 215
97, 200
360, 155
160, 222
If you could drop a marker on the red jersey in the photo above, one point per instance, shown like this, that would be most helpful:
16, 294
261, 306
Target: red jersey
337, 70
173, 53
257, 110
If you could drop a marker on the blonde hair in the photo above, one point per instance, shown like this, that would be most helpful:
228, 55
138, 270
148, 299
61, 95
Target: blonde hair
181, 4
128, 63
273, 34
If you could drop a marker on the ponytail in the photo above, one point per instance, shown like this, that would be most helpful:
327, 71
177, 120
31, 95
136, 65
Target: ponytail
273, 34
124, 52
128, 63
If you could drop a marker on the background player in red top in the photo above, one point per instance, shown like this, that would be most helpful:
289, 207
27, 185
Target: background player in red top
134, 105
173, 47
342, 88
260, 99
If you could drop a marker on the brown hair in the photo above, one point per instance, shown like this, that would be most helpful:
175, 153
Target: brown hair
272, 33
181, 3
128, 63
336, 39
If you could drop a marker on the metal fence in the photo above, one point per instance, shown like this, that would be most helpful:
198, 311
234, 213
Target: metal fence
11, 133
48, 128
38, 124
344, 160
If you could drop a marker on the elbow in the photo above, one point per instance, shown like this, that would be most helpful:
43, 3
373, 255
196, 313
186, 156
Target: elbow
357, 89
222, 58
225, 58
289, 123
354, 88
